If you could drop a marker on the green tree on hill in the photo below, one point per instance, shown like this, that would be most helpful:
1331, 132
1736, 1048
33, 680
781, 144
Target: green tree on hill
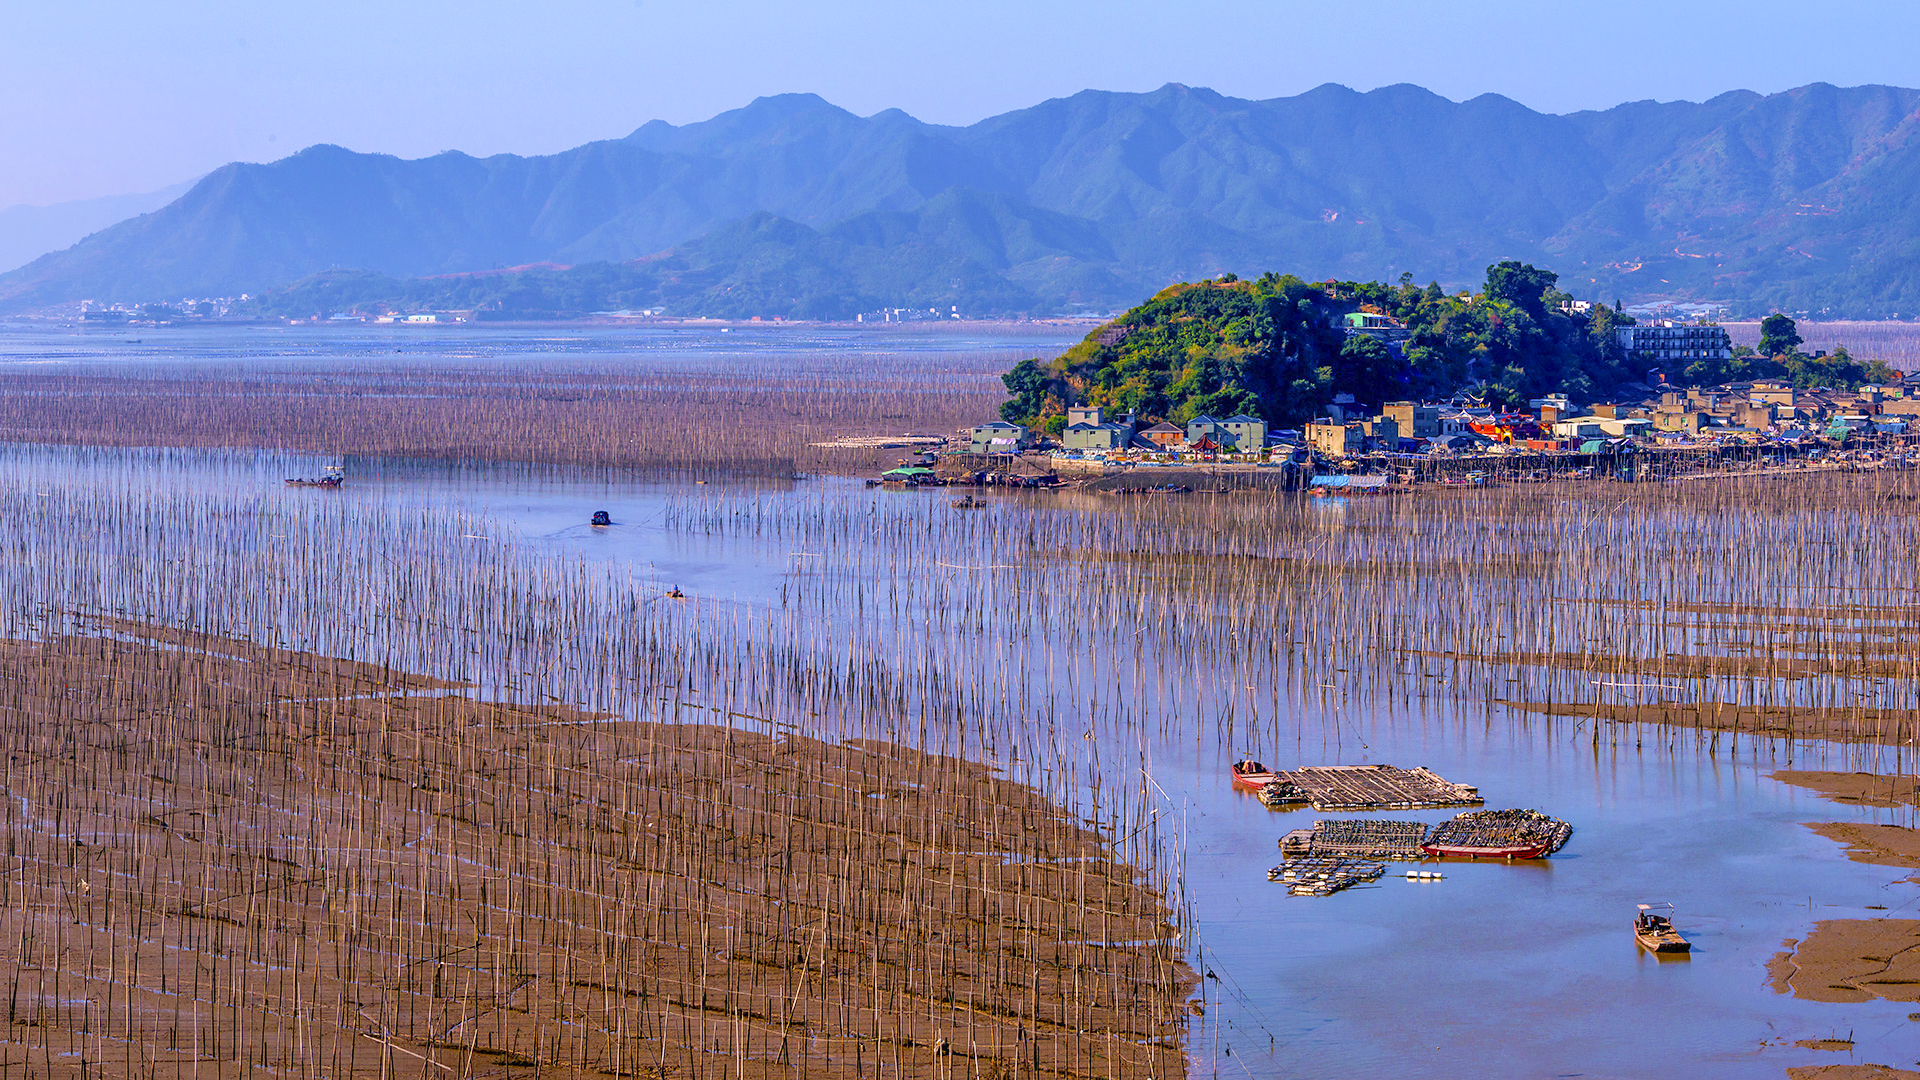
1369, 371
1779, 336
1037, 394
1277, 346
1838, 369
1779, 357
1521, 286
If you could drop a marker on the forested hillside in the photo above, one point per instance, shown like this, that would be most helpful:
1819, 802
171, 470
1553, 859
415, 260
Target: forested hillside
1277, 347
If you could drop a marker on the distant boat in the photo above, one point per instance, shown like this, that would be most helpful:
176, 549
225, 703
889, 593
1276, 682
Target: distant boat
1251, 774
601, 518
1653, 929
330, 477
969, 503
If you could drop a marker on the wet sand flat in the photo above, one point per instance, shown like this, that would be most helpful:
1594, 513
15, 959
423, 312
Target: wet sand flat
1856, 788
1852, 960
1883, 845
1851, 1072
1867, 842
225, 858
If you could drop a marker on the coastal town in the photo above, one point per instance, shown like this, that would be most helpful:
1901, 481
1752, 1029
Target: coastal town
1648, 429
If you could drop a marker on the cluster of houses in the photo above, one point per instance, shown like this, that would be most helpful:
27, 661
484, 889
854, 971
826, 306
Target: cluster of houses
1777, 408
1088, 431
1650, 412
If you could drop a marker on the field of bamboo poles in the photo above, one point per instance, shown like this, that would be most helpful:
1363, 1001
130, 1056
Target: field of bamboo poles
319, 788
1780, 608
723, 414
1896, 343
324, 787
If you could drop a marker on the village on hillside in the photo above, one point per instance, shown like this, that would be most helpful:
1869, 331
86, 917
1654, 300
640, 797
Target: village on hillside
1642, 431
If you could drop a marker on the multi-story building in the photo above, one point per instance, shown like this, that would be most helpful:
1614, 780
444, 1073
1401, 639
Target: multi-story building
1383, 430
1241, 434
998, 436
1088, 429
1675, 343
1335, 438
1415, 421
1249, 433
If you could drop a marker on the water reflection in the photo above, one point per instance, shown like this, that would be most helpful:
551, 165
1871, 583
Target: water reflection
1499, 970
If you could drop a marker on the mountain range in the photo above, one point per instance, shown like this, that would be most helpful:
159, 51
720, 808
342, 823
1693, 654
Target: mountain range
1806, 200
28, 232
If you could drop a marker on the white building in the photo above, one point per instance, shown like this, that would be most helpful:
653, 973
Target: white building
1580, 427
1668, 341
997, 436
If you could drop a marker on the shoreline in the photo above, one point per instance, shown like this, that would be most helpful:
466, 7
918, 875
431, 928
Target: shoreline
1856, 960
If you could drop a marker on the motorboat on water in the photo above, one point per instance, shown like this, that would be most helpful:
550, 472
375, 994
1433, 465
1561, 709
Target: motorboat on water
1252, 775
1653, 929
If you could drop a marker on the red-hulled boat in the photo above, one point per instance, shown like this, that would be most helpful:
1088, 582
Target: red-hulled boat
1475, 851
1252, 775
1497, 834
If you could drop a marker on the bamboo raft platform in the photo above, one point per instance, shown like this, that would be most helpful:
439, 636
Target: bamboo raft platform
1475, 834
1365, 838
1367, 787
1325, 875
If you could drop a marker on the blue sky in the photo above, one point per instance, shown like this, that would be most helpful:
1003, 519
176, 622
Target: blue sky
105, 96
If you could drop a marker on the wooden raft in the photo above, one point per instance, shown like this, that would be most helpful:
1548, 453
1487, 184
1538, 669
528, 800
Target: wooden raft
1374, 787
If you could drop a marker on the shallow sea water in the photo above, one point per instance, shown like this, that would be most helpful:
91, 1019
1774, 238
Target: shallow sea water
1522, 970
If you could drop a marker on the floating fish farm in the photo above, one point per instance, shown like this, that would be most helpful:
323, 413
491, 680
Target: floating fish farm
1367, 838
1477, 834
1325, 875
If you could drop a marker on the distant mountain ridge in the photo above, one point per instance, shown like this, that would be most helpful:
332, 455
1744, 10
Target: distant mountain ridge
1803, 200
28, 232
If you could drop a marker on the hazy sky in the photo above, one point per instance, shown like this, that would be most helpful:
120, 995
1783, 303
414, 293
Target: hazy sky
102, 97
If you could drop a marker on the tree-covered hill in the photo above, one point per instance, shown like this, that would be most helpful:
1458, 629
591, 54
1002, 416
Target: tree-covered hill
1278, 347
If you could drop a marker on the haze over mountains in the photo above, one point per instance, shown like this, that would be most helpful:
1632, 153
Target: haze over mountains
28, 232
1808, 200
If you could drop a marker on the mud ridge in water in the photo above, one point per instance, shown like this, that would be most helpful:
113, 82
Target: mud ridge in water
1851, 1072
1882, 845
1861, 725
221, 857
1822, 612
1772, 664
1867, 842
1855, 788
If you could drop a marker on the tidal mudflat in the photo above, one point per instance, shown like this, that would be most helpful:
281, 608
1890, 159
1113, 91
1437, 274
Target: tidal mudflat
1637, 660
